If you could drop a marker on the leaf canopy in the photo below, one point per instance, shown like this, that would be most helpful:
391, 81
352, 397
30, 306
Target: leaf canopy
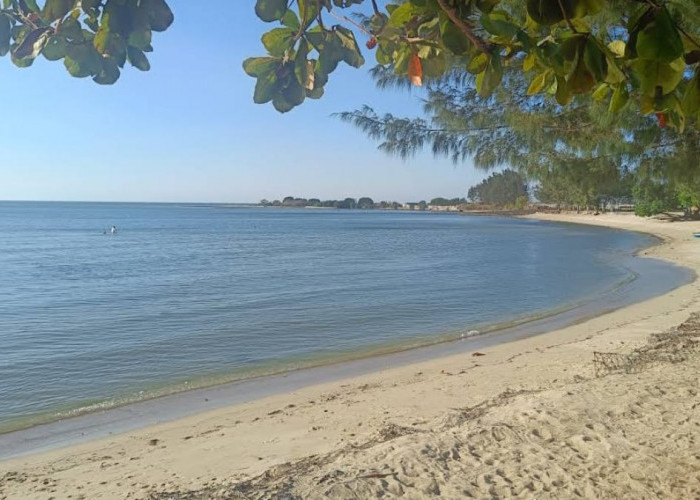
94, 38
622, 51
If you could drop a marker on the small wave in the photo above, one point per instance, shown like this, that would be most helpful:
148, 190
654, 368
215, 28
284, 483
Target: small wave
469, 334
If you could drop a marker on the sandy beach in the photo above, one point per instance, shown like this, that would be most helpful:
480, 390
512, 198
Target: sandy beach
531, 418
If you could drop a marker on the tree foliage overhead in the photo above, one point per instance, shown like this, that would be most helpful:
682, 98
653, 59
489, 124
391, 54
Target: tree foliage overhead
531, 133
578, 155
93, 38
645, 52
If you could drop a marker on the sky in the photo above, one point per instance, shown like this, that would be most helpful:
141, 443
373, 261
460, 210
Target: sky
188, 130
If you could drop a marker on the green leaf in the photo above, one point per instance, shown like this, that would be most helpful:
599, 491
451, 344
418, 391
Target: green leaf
55, 48
452, 38
435, 65
351, 51
405, 13
82, 60
290, 97
27, 6
290, 20
378, 22
21, 63
601, 92
258, 66
309, 10
5, 34
109, 73
72, 30
498, 23
160, 17
486, 6
583, 8
580, 79
383, 56
655, 75
316, 93
617, 47
647, 105
56, 9
117, 18
571, 46
538, 83
138, 59
278, 41
320, 78
487, 81
595, 60
266, 87
619, 98
140, 39
614, 73
111, 44
32, 44
660, 40
562, 93
478, 63
547, 12
270, 10
303, 69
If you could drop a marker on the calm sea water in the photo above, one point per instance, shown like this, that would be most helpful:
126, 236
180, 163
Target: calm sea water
188, 295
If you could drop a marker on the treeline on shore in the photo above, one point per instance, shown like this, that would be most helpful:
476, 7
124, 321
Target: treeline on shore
575, 189
364, 203
561, 189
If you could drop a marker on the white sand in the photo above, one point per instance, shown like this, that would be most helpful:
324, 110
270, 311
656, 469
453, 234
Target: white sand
527, 419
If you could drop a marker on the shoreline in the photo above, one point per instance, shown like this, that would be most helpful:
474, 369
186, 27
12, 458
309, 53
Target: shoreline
60, 421
74, 425
249, 438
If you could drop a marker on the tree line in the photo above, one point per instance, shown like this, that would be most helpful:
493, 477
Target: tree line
564, 188
364, 203
572, 188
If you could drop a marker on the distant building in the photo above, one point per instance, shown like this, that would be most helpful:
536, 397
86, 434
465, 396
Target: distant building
445, 208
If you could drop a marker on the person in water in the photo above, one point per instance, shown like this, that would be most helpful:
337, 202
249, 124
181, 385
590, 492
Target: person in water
113, 230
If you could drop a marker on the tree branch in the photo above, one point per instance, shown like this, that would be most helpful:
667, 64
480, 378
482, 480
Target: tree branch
465, 28
568, 21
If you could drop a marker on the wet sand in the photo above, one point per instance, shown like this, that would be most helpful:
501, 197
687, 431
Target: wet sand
528, 417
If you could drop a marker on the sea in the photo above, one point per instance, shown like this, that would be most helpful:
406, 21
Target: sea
186, 296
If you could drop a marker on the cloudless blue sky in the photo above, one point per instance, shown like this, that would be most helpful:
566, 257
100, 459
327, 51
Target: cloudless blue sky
189, 131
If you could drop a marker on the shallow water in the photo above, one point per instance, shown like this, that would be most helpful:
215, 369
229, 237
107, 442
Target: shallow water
188, 295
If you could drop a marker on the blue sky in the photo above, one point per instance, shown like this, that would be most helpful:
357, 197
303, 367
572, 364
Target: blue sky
188, 130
